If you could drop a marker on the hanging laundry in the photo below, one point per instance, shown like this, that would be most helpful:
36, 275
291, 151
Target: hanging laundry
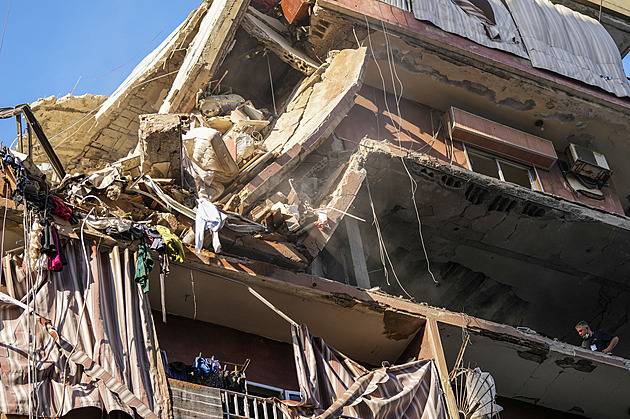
123, 229
208, 218
143, 266
36, 258
164, 270
57, 262
52, 248
174, 246
154, 238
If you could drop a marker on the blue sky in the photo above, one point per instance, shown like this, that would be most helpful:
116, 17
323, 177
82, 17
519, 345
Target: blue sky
50, 45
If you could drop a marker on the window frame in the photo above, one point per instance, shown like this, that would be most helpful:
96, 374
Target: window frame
534, 178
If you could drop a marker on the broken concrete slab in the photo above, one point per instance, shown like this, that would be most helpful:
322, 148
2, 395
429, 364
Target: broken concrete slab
303, 125
256, 27
205, 54
110, 132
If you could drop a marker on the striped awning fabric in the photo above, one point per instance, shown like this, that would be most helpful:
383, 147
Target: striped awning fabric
99, 349
332, 385
569, 43
463, 18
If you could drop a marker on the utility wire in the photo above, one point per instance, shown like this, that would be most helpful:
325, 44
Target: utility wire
5, 25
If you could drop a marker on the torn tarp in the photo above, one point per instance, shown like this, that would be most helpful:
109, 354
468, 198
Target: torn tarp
331, 385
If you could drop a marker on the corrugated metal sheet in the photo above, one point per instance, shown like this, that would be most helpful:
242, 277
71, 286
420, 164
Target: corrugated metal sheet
569, 43
447, 15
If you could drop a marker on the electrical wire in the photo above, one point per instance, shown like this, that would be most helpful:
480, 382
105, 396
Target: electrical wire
413, 183
273, 96
6, 20
381, 245
88, 272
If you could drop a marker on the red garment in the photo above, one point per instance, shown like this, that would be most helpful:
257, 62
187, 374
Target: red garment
61, 209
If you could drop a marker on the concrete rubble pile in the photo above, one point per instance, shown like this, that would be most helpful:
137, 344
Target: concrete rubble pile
210, 145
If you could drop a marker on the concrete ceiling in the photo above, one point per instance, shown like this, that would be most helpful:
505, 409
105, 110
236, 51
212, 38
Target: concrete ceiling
539, 261
363, 332
491, 84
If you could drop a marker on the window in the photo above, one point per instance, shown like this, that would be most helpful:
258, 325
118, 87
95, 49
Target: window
262, 390
502, 169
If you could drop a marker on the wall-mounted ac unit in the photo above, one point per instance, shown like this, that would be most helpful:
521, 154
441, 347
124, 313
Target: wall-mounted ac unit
588, 164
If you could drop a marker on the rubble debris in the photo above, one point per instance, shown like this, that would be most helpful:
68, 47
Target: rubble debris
207, 151
219, 105
296, 11
256, 27
160, 146
303, 125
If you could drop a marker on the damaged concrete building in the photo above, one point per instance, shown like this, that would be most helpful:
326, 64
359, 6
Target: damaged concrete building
359, 209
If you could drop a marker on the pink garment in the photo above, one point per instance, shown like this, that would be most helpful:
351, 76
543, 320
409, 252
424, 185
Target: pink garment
61, 209
54, 263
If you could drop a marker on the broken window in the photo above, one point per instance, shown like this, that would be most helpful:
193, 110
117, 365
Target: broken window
502, 169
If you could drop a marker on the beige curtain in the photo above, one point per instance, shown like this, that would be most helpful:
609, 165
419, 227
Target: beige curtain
97, 307
331, 385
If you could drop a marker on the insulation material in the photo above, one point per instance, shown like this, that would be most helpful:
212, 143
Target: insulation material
570, 43
206, 149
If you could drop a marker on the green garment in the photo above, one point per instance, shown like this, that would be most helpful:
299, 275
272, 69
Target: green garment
174, 246
144, 266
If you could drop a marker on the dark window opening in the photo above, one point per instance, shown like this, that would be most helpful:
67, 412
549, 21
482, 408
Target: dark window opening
502, 169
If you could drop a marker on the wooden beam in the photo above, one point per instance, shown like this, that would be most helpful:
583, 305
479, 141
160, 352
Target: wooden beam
205, 54
432, 348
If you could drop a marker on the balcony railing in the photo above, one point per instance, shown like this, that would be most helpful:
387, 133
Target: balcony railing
239, 406
243, 406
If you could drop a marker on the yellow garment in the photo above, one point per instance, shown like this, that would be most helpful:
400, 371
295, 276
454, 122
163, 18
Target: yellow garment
174, 246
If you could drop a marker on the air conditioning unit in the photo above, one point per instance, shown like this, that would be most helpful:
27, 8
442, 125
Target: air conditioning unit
588, 164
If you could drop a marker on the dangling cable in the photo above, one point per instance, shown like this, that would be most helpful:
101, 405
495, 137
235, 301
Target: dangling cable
381, 244
273, 95
414, 185
88, 273
192, 285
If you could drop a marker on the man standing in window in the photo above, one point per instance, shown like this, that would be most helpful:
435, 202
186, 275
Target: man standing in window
600, 341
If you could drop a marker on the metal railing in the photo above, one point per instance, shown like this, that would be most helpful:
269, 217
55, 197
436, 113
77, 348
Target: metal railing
239, 406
